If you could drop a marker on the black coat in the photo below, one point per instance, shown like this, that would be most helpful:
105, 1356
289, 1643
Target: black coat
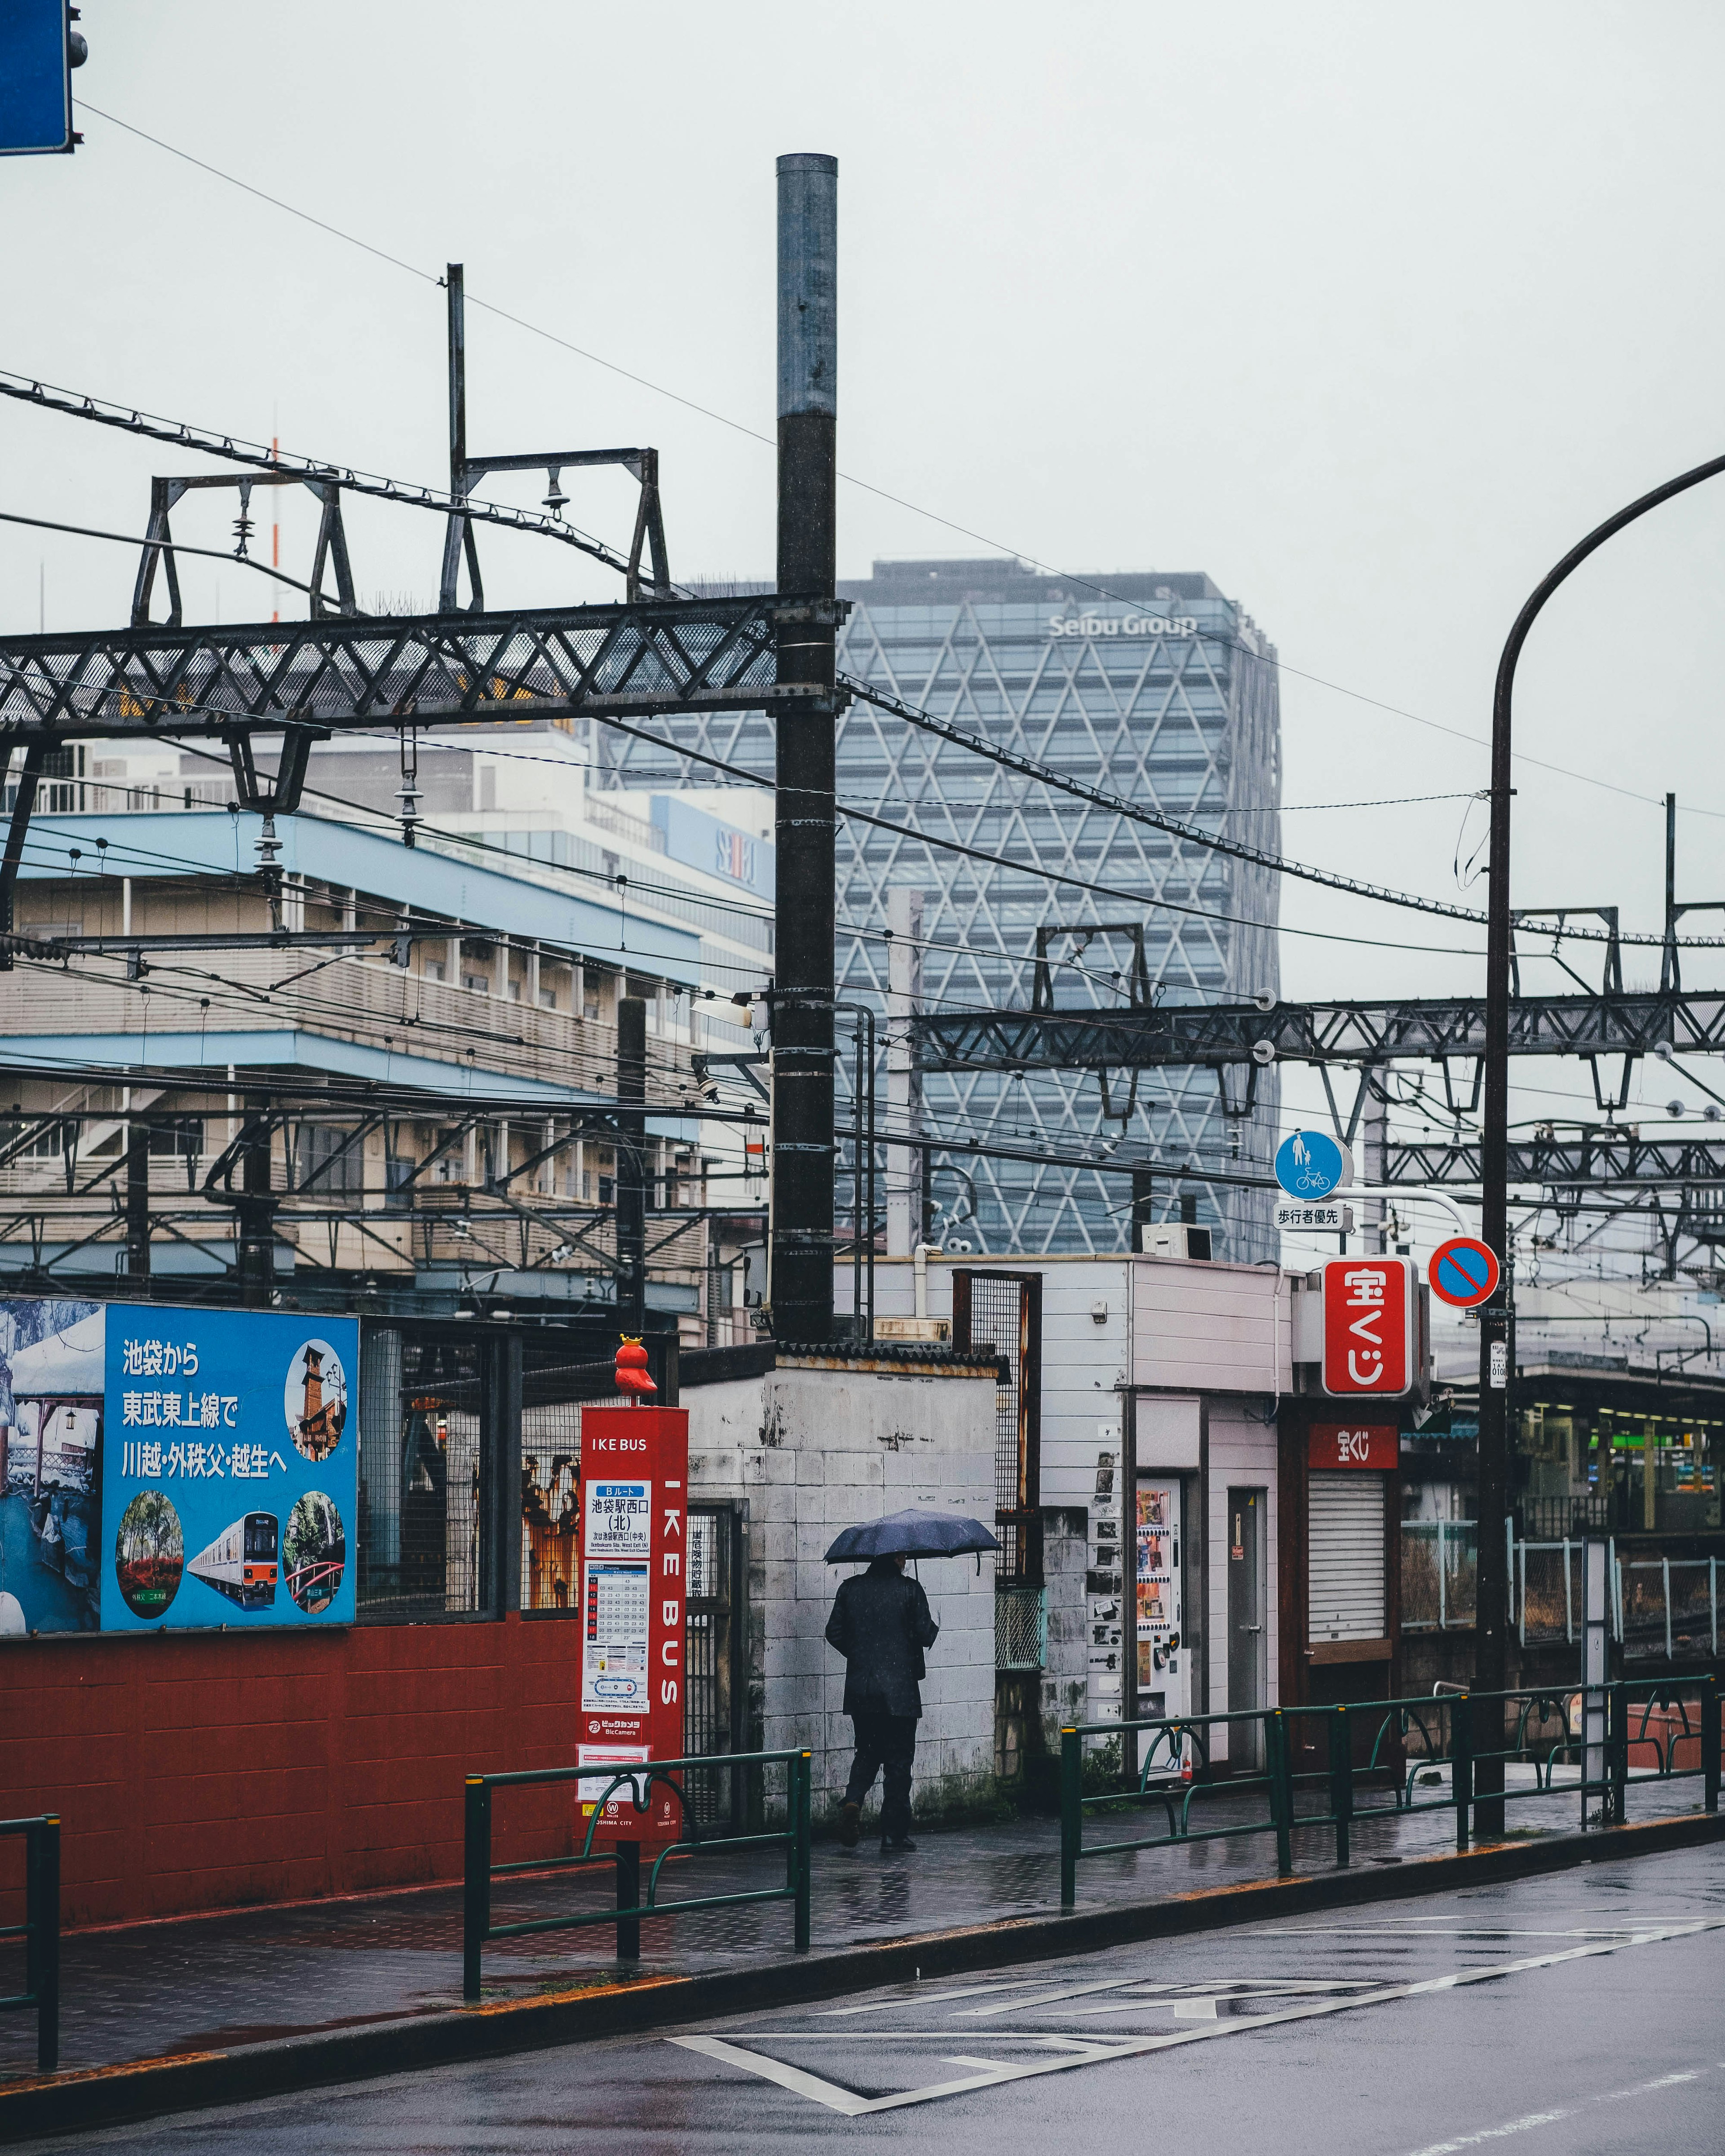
880, 1624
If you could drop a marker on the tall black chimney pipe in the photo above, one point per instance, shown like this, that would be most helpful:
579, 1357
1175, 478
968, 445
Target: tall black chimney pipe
801, 1288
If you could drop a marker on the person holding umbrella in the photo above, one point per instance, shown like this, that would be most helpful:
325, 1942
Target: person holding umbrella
881, 1624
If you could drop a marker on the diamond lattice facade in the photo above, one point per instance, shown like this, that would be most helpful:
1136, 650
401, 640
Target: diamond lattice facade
1164, 693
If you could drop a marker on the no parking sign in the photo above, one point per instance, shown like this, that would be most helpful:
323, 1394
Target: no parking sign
1464, 1272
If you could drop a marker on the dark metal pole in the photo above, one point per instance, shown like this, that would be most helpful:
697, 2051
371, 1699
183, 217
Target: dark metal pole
459, 533
256, 1210
137, 1201
1491, 1634
23, 801
801, 1278
631, 1166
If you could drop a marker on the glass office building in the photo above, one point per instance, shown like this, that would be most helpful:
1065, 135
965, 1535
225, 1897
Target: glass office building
1163, 692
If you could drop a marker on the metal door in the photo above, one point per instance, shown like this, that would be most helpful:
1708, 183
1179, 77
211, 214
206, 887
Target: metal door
1247, 1665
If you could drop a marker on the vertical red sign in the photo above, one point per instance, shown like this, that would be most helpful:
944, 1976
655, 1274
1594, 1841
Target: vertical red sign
1369, 1306
635, 1488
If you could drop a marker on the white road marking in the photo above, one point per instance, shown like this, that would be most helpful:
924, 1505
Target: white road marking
1100, 2052
1045, 1999
911, 1996
1533, 2119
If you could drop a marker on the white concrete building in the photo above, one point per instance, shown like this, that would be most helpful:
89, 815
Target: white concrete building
1152, 1386
811, 1445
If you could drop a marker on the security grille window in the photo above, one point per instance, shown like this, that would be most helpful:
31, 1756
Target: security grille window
711, 1636
428, 1498
1003, 1312
1346, 1574
551, 1504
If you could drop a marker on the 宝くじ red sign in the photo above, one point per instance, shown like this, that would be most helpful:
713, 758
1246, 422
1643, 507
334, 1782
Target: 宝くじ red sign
1374, 1446
1369, 1306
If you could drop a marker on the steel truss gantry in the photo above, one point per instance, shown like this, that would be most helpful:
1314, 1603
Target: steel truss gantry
428, 669
1213, 1036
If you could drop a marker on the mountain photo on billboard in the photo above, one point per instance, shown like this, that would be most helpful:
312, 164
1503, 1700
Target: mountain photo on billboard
149, 1554
315, 1399
314, 1552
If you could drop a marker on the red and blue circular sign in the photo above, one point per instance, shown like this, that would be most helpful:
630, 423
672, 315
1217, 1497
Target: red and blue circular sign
1464, 1272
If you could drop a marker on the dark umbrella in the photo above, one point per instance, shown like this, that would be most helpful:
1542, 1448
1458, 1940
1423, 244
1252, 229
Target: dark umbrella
913, 1532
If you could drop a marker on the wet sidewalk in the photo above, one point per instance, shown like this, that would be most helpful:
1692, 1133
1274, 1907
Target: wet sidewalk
213, 1982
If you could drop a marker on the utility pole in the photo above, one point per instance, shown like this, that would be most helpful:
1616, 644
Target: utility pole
137, 1201
800, 1288
904, 1078
631, 1185
256, 1210
1492, 1598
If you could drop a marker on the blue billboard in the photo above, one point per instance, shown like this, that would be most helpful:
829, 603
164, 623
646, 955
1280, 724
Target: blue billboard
161, 1467
35, 82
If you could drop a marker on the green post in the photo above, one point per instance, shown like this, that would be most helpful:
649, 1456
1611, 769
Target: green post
1341, 1779
1461, 1763
800, 1845
1710, 1744
42, 1912
1071, 1814
476, 1884
1617, 1707
1281, 1788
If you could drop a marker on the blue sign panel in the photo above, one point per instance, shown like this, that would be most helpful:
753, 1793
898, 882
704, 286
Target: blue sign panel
230, 1487
1311, 1165
35, 85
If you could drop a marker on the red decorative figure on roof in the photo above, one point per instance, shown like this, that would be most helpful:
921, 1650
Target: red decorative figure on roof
632, 1376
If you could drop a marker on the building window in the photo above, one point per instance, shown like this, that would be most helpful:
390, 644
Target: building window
427, 1502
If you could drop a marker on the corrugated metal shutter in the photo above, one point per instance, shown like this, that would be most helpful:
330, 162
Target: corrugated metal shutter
1346, 1598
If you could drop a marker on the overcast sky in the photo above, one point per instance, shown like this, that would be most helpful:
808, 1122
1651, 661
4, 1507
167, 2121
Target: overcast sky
1370, 312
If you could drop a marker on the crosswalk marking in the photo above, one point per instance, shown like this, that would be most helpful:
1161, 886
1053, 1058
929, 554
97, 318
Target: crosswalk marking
1101, 2051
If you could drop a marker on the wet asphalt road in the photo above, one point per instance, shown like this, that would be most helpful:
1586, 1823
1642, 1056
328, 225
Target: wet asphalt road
1584, 2012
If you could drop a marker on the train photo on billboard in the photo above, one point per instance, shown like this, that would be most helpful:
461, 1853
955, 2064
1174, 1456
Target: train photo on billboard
242, 1562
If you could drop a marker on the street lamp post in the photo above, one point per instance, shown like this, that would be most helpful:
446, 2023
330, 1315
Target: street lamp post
1491, 1618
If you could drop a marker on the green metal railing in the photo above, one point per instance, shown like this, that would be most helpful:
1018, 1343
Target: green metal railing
40, 1932
477, 1927
1451, 1729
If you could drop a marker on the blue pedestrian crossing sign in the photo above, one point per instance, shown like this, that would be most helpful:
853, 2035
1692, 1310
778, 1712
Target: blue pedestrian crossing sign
1311, 1165
1464, 1272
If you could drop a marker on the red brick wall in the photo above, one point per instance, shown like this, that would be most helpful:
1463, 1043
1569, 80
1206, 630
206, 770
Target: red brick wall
202, 1771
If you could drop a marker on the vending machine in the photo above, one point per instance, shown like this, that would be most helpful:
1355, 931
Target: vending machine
1164, 1661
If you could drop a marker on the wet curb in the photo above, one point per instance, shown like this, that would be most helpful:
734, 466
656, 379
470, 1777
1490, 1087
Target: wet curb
79, 2101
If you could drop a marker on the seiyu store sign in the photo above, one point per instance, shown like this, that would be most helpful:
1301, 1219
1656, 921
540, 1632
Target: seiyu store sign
179, 1468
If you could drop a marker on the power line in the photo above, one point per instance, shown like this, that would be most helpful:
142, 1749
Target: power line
852, 479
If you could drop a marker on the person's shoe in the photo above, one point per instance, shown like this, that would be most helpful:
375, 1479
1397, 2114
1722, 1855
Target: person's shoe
848, 1830
897, 1845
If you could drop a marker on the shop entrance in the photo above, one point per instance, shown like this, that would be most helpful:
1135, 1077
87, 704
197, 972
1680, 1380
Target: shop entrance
1247, 1666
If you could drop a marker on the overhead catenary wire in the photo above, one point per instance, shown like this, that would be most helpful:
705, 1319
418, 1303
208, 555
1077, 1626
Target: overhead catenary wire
852, 479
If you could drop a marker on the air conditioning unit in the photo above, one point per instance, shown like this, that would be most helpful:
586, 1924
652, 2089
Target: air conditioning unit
1173, 1239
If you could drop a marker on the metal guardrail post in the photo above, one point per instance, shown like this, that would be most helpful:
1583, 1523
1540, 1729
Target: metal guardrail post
1461, 1763
1281, 1788
42, 1945
1071, 1814
1710, 1744
1341, 1779
476, 1884
628, 1897
800, 1853
1617, 1752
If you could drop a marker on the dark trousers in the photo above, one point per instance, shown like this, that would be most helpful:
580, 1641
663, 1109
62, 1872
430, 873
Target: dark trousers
885, 1745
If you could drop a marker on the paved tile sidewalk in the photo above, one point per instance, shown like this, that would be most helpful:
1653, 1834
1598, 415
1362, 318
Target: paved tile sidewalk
209, 1983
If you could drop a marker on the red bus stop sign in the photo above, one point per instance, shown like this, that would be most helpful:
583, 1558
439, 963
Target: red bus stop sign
1464, 1272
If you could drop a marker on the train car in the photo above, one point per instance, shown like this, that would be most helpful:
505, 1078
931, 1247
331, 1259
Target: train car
242, 1562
